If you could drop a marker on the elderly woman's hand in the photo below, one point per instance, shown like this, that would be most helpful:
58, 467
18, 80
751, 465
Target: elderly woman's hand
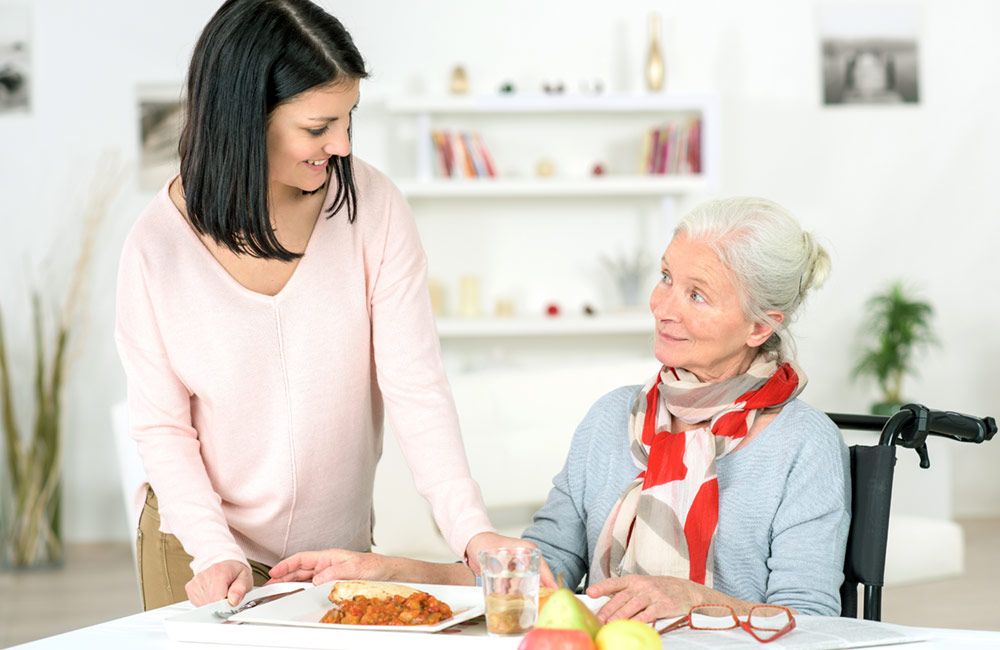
333, 564
488, 541
648, 598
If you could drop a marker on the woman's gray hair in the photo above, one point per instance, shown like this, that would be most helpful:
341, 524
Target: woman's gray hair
774, 261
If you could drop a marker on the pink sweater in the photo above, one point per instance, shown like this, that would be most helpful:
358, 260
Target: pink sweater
259, 418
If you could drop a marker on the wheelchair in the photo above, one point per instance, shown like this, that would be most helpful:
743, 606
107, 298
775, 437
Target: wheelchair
871, 483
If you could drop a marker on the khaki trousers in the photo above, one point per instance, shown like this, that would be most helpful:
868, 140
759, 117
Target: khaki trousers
164, 566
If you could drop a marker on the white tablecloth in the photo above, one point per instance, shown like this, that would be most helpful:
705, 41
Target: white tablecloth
147, 630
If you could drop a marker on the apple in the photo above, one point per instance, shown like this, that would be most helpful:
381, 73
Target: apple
564, 611
627, 634
548, 639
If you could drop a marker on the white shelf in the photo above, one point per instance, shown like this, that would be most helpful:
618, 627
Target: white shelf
568, 103
612, 324
648, 186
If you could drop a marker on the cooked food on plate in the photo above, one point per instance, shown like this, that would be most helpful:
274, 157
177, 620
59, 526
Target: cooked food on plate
360, 602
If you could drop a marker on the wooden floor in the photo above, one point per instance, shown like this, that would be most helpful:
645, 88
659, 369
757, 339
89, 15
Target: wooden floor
98, 584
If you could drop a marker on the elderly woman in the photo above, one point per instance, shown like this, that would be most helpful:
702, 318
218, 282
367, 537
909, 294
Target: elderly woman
712, 483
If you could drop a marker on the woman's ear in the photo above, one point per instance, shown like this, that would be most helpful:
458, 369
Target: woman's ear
761, 332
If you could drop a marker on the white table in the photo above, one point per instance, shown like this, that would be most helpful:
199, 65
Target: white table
147, 630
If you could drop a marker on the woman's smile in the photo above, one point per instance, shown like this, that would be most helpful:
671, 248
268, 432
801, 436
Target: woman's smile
670, 338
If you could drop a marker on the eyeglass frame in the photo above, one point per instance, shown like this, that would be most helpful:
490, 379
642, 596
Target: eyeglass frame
685, 621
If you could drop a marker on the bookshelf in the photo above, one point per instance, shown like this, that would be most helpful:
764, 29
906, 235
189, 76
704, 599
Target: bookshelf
428, 112
521, 128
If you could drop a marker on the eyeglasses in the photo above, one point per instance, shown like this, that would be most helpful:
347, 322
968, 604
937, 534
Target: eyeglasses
764, 622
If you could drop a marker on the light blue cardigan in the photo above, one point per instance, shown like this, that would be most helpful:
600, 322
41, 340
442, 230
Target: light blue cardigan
784, 505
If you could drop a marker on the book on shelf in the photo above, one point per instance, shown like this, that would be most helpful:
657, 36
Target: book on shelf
674, 148
474, 157
491, 168
461, 154
442, 161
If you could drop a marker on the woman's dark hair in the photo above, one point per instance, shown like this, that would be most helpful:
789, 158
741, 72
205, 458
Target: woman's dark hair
252, 56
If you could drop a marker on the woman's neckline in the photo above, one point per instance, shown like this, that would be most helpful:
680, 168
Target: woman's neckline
217, 266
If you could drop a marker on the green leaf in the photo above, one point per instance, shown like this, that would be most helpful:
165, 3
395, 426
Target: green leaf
896, 328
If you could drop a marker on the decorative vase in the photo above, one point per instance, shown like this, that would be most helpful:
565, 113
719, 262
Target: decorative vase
656, 71
459, 82
31, 486
33, 539
31, 474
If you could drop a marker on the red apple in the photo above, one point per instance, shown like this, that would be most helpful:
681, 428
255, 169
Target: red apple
542, 638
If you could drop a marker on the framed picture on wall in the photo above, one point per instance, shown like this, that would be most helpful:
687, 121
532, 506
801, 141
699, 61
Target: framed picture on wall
160, 112
15, 58
870, 54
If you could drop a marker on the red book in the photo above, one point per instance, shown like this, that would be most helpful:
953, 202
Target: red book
449, 153
695, 147
654, 151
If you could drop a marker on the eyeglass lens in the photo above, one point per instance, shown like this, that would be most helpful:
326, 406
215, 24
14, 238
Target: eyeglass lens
768, 621
712, 617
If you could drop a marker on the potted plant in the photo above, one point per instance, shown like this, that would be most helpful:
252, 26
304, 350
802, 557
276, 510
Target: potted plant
898, 325
31, 479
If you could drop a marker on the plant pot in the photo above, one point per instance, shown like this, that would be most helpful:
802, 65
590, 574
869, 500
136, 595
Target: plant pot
885, 408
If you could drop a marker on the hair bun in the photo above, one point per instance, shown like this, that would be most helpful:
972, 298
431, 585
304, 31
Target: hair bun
817, 266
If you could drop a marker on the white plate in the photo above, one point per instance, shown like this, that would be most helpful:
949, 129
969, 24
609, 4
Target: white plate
305, 609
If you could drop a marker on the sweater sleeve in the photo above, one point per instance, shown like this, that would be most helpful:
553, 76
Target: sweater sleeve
410, 374
809, 532
159, 415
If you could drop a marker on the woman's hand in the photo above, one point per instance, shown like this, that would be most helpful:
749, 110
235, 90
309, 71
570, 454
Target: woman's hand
648, 598
334, 564
488, 541
228, 579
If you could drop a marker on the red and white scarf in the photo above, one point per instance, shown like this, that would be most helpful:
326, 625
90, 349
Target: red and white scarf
665, 521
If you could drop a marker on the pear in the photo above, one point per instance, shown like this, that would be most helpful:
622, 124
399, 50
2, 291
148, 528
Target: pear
628, 634
564, 611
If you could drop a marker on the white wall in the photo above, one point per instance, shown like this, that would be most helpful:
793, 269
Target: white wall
895, 192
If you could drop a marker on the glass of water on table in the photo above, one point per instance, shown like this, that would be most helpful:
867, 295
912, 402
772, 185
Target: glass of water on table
510, 589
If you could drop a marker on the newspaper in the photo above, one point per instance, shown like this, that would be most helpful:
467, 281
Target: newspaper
810, 633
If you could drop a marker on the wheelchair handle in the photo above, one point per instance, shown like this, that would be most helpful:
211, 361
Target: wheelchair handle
960, 427
910, 426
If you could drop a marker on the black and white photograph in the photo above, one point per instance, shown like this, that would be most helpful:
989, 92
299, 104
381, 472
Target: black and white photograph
15, 58
160, 111
870, 54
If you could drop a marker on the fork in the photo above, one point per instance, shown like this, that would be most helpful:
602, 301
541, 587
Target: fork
226, 613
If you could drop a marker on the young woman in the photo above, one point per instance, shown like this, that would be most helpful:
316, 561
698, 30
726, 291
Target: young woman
271, 304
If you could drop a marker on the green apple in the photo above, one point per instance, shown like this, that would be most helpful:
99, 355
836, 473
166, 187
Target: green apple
564, 611
626, 634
